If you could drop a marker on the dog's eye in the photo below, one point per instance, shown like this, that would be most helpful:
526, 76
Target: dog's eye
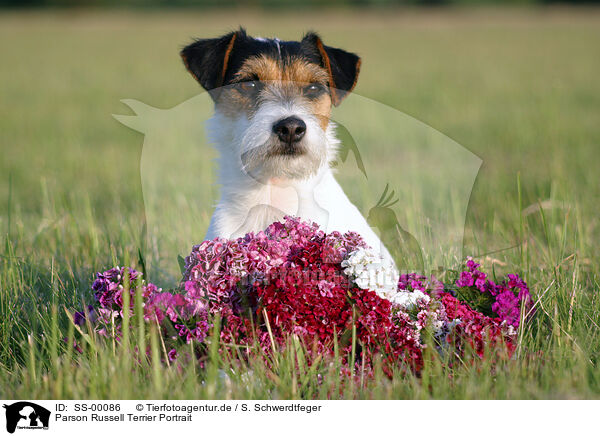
249, 88
313, 90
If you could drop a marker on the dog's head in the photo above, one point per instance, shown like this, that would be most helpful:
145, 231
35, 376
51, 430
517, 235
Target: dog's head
273, 99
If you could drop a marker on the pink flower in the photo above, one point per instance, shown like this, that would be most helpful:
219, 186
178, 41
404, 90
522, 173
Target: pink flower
506, 297
288, 279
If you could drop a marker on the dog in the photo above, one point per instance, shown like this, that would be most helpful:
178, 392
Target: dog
273, 132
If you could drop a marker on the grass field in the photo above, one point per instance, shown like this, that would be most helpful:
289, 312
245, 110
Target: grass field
519, 88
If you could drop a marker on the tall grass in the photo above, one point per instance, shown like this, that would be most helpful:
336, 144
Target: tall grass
517, 88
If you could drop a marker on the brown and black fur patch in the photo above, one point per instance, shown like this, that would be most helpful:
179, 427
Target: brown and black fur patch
218, 62
277, 79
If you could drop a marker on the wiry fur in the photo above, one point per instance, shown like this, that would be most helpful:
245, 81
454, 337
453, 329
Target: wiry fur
253, 199
261, 181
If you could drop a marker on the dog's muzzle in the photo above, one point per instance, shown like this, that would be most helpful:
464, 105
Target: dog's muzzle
290, 132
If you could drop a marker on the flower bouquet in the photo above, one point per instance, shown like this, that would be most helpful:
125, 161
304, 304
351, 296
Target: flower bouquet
330, 291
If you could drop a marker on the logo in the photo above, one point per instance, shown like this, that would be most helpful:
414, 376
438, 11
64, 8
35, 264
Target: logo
26, 415
422, 178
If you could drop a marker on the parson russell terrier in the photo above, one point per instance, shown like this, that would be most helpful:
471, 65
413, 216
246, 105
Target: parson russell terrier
272, 130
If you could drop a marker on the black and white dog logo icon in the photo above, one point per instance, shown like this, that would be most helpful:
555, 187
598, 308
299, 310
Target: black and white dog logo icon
26, 415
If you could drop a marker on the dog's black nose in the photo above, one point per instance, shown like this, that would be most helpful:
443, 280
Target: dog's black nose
290, 129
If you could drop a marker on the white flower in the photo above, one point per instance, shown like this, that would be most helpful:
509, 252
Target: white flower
508, 328
369, 271
408, 299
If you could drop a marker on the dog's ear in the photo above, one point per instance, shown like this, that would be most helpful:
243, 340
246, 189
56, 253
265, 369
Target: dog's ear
343, 67
208, 59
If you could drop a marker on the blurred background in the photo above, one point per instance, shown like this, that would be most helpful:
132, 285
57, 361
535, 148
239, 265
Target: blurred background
517, 85
269, 3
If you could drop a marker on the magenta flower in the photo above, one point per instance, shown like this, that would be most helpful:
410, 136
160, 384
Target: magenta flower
506, 297
288, 279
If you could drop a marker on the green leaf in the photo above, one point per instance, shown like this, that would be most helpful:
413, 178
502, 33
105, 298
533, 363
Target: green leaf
481, 302
181, 262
